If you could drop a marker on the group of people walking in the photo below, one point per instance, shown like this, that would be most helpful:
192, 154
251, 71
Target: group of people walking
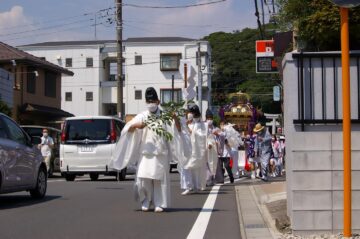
203, 152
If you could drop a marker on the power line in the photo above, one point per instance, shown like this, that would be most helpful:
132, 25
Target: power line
57, 19
44, 28
49, 33
172, 7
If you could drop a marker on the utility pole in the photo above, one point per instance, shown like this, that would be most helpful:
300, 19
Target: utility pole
119, 59
263, 15
199, 77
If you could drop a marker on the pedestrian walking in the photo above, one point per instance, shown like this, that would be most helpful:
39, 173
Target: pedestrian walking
275, 163
263, 148
224, 153
152, 153
46, 146
212, 151
250, 154
194, 173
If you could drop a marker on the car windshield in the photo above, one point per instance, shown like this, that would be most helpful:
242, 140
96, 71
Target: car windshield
90, 129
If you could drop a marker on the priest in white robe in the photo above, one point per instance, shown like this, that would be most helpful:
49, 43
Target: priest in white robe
194, 172
152, 154
212, 151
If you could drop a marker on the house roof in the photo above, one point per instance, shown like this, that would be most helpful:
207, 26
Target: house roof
100, 42
9, 53
158, 39
40, 109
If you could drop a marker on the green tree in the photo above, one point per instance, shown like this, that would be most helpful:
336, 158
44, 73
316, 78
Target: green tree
233, 59
317, 23
4, 108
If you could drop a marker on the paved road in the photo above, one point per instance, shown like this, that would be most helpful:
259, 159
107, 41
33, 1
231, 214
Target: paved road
106, 209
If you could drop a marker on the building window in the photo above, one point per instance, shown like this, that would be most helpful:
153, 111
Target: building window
138, 94
166, 95
68, 96
169, 62
138, 60
31, 80
89, 96
50, 84
68, 62
89, 62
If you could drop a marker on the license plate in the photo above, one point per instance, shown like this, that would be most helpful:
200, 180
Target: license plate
86, 148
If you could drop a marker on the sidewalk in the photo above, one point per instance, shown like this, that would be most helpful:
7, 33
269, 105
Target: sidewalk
262, 208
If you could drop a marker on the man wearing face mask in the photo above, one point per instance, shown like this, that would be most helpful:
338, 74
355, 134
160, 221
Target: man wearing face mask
224, 154
47, 143
194, 173
212, 151
141, 145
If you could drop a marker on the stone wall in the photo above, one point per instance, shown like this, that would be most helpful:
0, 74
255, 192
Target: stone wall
314, 151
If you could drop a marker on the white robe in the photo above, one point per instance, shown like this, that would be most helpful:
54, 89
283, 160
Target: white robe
211, 154
193, 173
152, 154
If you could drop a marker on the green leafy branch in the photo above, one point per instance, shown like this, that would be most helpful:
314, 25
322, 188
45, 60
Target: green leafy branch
158, 123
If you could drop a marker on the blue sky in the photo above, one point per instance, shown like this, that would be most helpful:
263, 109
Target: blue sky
30, 21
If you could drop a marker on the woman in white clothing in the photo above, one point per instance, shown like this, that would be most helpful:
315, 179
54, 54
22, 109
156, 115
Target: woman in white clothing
194, 170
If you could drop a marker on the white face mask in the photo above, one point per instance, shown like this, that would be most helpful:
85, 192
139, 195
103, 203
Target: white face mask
45, 135
190, 116
210, 122
196, 119
152, 107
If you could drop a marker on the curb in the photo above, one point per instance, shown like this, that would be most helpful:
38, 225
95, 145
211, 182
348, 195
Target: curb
261, 198
241, 220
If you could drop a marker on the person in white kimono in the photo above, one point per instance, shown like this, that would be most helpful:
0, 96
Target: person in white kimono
212, 151
151, 152
194, 172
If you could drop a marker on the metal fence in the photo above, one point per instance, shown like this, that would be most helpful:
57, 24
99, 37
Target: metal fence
319, 88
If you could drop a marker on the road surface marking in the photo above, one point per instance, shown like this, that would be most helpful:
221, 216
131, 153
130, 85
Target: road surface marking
199, 228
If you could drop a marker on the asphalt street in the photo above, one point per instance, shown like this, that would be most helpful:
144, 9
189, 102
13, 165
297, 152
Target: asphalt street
107, 209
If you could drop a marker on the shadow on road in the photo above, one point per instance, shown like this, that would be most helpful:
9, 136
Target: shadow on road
169, 210
16, 201
109, 188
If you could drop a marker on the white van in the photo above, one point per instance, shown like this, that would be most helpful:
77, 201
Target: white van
87, 145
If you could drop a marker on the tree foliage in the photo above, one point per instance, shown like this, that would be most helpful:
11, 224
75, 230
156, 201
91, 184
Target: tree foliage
234, 62
317, 23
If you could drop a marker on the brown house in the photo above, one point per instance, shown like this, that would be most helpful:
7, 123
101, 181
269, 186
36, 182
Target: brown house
37, 87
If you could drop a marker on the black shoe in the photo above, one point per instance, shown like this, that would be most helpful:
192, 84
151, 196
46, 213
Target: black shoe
232, 180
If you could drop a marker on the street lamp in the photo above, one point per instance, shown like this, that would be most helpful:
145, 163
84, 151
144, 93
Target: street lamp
344, 14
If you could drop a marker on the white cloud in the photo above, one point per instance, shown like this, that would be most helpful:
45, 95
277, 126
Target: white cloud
13, 21
15, 17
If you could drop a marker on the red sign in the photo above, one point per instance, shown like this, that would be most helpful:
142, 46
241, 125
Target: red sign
265, 48
265, 60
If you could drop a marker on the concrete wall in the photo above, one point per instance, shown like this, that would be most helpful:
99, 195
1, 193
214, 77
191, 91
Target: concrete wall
314, 156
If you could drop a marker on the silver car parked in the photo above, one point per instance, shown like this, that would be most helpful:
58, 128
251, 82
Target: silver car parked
21, 164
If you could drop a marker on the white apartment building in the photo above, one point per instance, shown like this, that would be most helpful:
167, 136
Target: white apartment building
149, 61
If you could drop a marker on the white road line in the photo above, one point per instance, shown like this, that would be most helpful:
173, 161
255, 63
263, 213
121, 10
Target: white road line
199, 228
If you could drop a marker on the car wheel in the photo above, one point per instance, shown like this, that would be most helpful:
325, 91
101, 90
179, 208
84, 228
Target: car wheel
41, 185
70, 177
122, 174
94, 176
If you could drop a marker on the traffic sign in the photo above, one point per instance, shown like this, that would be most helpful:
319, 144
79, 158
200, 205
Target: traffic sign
265, 60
